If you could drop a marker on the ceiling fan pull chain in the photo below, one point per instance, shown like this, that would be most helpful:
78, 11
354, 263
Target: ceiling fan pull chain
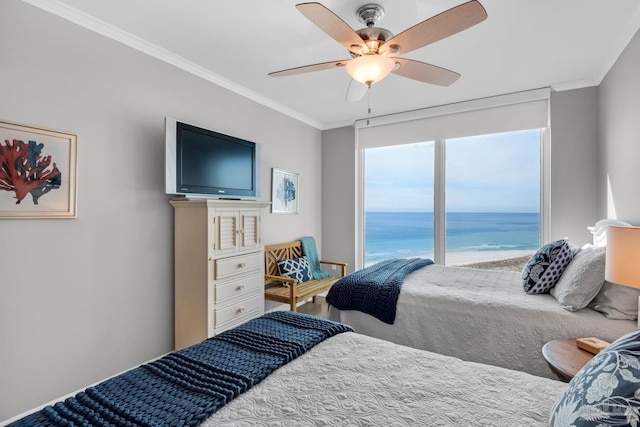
368, 104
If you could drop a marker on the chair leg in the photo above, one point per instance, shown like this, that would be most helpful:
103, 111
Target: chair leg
292, 297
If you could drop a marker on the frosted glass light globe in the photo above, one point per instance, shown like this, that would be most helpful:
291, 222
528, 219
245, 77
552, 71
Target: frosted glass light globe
369, 69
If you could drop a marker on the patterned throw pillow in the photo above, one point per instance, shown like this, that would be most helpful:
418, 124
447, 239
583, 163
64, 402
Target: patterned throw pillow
546, 266
297, 268
606, 391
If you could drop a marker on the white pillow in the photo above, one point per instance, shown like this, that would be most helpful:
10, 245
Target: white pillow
581, 280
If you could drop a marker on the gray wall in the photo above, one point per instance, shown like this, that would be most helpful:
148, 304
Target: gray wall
574, 164
620, 136
82, 299
339, 194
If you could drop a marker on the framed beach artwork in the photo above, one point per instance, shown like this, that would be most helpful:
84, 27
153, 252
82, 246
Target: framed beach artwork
284, 192
38, 172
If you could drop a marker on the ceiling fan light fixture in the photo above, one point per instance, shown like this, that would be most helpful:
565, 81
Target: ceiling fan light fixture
369, 69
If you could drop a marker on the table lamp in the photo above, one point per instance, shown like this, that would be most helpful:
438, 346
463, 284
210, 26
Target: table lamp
622, 264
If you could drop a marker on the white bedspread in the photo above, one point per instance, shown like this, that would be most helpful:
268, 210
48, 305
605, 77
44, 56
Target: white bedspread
482, 316
356, 380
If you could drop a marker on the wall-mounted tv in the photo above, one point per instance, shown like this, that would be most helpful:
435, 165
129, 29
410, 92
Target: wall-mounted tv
203, 163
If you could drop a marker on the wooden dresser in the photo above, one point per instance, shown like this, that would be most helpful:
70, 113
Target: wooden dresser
219, 267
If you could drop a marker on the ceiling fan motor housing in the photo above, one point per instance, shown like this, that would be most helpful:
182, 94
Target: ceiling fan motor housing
374, 37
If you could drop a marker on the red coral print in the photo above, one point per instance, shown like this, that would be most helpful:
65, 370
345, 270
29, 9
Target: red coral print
24, 170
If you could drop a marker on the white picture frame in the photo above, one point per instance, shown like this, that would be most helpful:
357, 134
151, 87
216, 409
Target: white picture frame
44, 184
285, 192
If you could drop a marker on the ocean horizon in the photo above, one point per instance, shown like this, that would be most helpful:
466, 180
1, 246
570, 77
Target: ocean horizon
410, 234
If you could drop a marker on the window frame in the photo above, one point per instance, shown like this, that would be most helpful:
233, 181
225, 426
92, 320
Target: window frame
439, 212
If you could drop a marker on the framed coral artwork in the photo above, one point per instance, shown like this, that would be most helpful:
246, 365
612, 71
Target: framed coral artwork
38, 172
284, 192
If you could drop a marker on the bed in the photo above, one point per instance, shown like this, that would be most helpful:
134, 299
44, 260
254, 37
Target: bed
328, 376
485, 316
288, 368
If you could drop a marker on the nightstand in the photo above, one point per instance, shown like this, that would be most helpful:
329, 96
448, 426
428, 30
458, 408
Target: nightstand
564, 358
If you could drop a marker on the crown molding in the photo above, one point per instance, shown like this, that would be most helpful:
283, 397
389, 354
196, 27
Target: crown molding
91, 23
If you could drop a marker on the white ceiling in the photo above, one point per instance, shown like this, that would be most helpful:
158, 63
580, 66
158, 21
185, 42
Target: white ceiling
523, 45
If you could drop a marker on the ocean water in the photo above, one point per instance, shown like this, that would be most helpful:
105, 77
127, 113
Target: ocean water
407, 234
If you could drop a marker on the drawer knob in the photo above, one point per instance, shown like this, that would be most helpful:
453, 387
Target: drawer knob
240, 310
242, 265
241, 287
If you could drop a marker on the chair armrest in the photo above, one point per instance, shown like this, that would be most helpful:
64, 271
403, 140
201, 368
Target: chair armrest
343, 265
281, 279
334, 262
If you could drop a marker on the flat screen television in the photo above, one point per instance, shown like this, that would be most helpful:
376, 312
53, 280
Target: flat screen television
203, 163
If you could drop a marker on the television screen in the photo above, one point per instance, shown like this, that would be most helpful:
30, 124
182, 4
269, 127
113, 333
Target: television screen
206, 163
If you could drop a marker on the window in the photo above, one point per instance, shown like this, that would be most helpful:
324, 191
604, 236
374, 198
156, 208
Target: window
453, 124
399, 202
491, 202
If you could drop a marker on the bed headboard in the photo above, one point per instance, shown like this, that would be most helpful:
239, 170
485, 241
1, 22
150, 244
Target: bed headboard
599, 230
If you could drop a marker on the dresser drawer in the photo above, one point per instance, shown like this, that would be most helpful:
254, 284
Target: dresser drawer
237, 287
228, 267
236, 313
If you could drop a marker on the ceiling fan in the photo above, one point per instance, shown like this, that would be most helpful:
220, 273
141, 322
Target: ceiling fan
373, 49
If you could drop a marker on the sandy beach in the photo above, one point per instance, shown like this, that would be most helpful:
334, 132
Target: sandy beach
491, 260
468, 257
511, 264
514, 260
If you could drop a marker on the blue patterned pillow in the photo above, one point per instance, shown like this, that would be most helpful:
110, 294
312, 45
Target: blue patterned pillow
545, 267
606, 391
297, 268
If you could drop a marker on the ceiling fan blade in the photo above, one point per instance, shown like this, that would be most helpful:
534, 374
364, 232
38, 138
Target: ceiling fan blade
335, 27
355, 91
437, 28
310, 68
424, 72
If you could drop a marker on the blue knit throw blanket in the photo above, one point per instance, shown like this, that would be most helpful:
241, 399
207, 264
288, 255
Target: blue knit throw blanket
184, 388
374, 290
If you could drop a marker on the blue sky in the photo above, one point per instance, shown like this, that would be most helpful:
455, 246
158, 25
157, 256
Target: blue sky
489, 173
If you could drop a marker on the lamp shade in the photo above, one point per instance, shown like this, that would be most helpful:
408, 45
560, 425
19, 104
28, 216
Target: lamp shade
369, 69
622, 264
